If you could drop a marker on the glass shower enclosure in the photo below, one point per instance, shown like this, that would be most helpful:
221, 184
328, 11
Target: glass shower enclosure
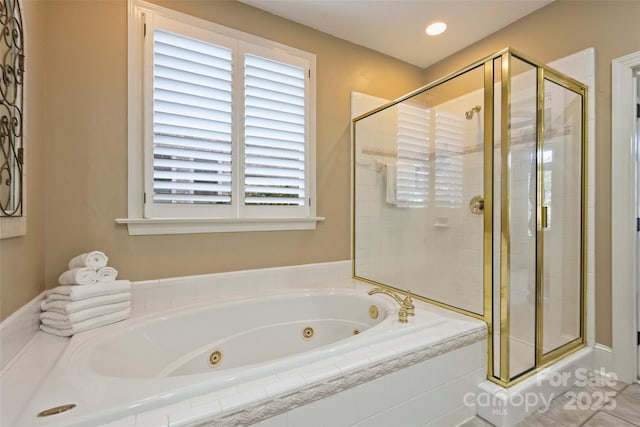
471, 193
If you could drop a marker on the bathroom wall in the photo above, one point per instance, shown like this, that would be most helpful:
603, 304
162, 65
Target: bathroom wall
559, 29
80, 129
85, 124
22, 258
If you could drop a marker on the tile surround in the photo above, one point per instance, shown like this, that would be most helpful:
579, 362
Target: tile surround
162, 294
351, 373
436, 403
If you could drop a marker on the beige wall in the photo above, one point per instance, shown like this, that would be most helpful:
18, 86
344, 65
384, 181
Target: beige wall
80, 127
86, 150
557, 30
22, 258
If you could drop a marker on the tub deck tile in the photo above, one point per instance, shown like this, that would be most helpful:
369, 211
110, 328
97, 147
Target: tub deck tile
229, 403
129, 421
296, 372
214, 397
318, 372
160, 417
259, 383
354, 360
195, 414
285, 385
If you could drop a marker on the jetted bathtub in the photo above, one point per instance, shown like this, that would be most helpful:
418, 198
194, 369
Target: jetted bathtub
279, 342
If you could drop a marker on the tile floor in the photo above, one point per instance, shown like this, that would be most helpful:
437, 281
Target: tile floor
597, 404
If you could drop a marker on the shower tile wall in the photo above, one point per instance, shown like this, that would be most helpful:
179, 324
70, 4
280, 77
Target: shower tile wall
436, 250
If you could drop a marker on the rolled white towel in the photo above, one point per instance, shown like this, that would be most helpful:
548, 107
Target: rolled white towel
65, 307
59, 320
76, 293
78, 276
106, 274
94, 259
88, 324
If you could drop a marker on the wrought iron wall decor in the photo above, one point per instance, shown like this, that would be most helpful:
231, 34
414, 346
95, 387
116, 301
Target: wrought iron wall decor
11, 112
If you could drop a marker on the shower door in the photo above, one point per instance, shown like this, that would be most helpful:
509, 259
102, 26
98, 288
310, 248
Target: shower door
538, 162
561, 218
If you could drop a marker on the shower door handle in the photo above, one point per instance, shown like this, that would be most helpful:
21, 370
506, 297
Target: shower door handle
544, 217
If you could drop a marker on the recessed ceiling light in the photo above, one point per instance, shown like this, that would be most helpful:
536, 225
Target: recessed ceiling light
436, 28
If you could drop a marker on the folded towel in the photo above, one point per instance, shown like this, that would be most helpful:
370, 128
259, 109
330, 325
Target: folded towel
95, 259
78, 276
88, 324
62, 306
107, 274
76, 293
69, 307
60, 320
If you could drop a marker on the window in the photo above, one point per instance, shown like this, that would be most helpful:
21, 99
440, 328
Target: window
221, 128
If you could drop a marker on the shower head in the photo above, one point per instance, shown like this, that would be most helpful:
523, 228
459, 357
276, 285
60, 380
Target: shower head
469, 114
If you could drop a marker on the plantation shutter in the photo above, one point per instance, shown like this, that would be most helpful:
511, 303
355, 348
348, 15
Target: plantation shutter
274, 131
192, 121
412, 171
449, 161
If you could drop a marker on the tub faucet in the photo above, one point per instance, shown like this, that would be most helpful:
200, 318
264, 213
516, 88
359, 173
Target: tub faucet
406, 304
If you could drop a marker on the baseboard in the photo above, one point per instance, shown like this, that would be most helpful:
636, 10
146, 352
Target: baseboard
602, 358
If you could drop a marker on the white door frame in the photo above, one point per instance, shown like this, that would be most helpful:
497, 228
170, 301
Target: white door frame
624, 255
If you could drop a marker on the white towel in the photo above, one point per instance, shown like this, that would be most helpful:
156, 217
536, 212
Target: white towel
78, 276
59, 320
95, 259
88, 324
76, 293
390, 193
63, 306
107, 274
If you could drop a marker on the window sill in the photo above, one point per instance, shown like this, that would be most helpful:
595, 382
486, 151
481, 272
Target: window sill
12, 226
145, 226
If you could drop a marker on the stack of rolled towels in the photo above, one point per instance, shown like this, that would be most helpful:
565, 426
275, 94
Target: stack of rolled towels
89, 296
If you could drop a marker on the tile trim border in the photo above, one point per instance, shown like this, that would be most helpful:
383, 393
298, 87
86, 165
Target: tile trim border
316, 391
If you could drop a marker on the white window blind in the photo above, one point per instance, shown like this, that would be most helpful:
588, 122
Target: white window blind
412, 172
274, 132
192, 121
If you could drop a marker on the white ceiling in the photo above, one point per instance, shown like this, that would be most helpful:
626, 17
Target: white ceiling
397, 27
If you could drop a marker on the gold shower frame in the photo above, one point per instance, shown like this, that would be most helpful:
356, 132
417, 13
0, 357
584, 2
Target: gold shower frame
543, 73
